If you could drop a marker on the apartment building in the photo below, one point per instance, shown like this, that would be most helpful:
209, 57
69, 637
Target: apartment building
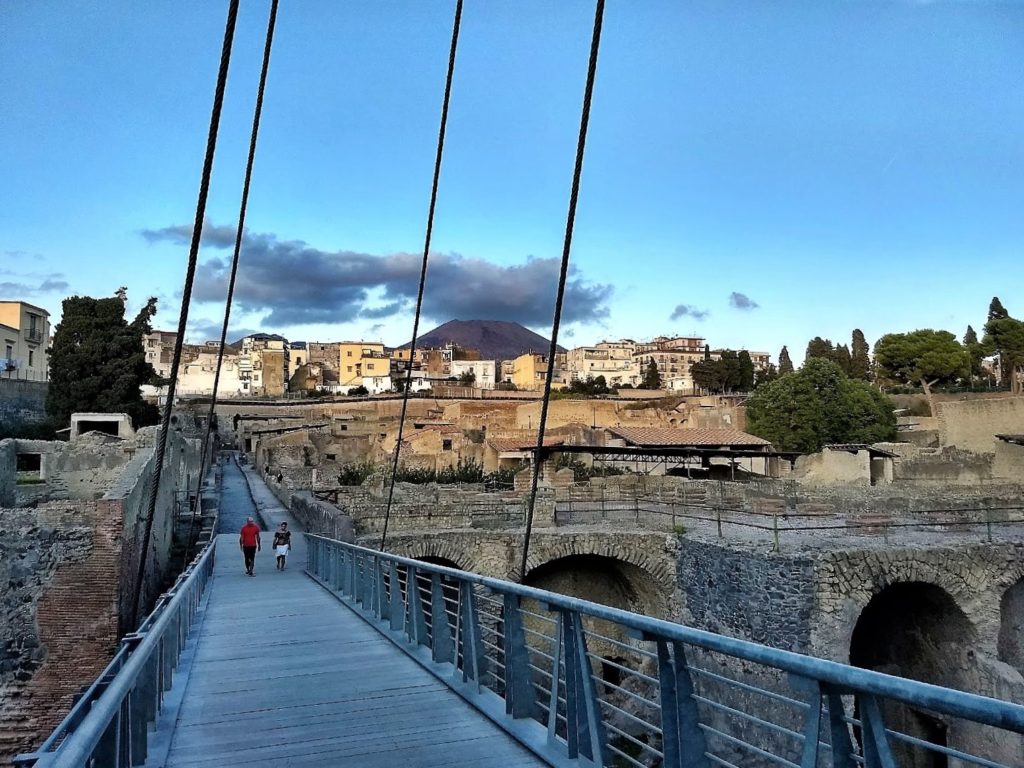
673, 355
362, 359
483, 371
263, 365
159, 348
614, 360
24, 340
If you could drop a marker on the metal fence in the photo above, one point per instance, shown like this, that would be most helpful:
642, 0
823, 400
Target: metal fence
572, 679
109, 724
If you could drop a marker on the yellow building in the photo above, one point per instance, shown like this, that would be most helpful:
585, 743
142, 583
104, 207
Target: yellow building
529, 370
24, 338
359, 359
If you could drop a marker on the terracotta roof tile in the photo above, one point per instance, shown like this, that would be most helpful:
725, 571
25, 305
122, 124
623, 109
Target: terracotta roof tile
665, 436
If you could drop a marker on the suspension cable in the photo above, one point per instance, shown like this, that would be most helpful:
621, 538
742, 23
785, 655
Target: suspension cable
423, 266
588, 93
186, 297
257, 113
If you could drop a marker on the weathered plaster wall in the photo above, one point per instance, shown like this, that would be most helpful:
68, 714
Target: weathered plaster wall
972, 424
22, 400
833, 468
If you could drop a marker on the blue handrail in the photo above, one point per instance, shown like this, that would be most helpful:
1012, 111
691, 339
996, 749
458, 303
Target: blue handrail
461, 617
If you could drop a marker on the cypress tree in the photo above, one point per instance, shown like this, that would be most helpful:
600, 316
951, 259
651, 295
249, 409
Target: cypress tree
746, 382
98, 361
819, 347
996, 311
785, 364
860, 357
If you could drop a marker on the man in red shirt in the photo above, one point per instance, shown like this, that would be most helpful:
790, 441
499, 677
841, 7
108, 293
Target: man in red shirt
249, 541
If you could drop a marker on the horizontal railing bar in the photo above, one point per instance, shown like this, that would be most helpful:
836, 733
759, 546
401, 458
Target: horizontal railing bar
631, 672
646, 747
624, 756
654, 729
740, 743
750, 718
631, 694
751, 688
948, 751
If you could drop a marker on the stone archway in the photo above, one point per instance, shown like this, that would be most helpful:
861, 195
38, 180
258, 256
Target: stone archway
916, 630
1011, 626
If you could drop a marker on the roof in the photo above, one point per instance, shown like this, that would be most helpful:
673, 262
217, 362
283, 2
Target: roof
655, 436
427, 429
1018, 439
854, 447
518, 445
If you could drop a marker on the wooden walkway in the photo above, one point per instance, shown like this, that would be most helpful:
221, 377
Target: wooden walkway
279, 673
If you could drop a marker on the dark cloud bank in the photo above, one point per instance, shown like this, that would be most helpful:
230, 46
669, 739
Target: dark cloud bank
295, 283
742, 301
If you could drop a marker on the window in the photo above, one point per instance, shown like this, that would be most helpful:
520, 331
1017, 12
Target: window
446, 445
350, 369
349, 354
369, 366
10, 352
31, 357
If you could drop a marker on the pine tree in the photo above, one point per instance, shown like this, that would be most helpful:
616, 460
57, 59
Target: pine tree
996, 310
819, 347
860, 357
785, 363
98, 360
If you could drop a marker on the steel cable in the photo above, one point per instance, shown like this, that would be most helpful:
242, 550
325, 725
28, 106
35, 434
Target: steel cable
423, 267
257, 113
588, 93
186, 297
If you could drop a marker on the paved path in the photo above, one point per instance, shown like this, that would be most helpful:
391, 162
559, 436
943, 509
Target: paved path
280, 673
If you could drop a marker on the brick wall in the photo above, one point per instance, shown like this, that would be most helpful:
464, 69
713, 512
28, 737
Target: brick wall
59, 627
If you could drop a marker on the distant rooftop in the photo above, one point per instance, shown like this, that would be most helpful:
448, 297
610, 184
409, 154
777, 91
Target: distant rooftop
668, 436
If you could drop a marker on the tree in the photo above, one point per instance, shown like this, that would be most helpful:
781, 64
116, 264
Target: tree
842, 358
652, 377
1005, 336
467, 379
819, 347
976, 351
785, 364
98, 361
996, 311
767, 376
746, 382
926, 356
860, 357
818, 405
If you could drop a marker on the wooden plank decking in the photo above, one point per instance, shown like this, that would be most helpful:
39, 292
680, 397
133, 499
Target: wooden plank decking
280, 673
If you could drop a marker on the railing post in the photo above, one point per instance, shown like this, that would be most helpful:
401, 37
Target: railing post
520, 695
585, 733
682, 739
877, 753
842, 746
381, 603
442, 646
415, 622
397, 614
470, 638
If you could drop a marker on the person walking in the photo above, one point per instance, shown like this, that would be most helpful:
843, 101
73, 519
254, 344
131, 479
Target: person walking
282, 544
249, 541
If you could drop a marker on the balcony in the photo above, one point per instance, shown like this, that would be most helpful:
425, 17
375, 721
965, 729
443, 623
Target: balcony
34, 335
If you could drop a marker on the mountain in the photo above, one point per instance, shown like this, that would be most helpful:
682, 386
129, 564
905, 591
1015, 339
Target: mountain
496, 339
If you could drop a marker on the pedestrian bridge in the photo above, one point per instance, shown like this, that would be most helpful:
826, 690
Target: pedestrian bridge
352, 656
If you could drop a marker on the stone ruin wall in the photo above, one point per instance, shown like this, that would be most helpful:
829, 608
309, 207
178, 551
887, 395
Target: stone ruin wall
71, 566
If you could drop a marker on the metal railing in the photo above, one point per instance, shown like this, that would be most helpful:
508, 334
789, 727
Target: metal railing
109, 724
571, 679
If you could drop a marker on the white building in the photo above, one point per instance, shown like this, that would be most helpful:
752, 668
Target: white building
483, 371
615, 360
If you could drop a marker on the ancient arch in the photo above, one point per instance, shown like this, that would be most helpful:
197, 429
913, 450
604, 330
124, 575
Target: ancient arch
916, 629
434, 550
1011, 626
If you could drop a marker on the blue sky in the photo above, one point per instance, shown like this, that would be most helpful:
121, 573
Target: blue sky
838, 163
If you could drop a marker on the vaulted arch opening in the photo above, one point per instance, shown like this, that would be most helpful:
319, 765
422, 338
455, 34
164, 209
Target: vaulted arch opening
916, 630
